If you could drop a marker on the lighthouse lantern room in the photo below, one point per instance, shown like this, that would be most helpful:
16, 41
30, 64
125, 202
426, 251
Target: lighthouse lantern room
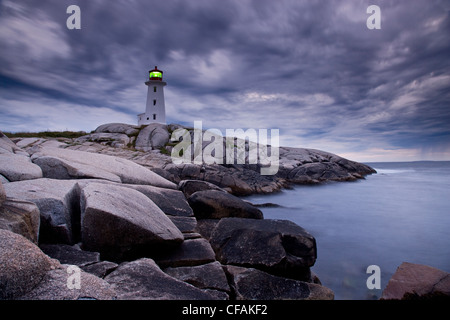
155, 111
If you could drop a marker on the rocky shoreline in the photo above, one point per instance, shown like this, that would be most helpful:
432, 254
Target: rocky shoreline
136, 226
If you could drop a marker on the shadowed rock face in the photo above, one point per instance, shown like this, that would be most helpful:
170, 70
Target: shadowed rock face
213, 204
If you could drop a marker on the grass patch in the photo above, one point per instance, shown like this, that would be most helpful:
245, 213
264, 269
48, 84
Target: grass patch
46, 134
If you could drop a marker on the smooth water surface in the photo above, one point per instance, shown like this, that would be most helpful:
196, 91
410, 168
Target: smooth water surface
402, 213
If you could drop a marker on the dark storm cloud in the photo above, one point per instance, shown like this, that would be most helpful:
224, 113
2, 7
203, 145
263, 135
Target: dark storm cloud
310, 68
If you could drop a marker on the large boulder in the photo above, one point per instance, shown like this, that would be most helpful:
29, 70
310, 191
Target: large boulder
23, 265
55, 286
143, 279
214, 204
151, 137
120, 223
124, 128
253, 284
416, 281
59, 163
21, 217
16, 167
280, 247
58, 203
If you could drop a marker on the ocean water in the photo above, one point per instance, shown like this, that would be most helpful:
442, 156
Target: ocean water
402, 213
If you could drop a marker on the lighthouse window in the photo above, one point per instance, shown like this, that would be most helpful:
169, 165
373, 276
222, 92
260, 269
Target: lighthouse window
154, 89
154, 116
154, 102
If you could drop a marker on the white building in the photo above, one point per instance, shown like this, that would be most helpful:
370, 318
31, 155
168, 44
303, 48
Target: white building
155, 111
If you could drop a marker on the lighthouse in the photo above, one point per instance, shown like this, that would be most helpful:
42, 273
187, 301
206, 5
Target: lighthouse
155, 110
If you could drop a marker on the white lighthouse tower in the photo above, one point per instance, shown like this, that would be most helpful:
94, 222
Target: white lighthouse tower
155, 111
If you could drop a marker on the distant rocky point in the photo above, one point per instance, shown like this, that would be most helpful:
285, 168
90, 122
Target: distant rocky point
150, 146
138, 226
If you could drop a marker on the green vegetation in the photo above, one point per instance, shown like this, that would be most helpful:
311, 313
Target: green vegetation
46, 134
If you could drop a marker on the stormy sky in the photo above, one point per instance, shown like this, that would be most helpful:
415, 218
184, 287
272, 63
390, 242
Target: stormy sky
310, 68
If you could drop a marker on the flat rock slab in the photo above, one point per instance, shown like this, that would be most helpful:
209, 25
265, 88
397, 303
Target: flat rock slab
59, 163
205, 276
21, 217
214, 204
253, 284
280, 247
122, 223
143, 279
18, 167
72, 255
417, 281
58, 203
189, 253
